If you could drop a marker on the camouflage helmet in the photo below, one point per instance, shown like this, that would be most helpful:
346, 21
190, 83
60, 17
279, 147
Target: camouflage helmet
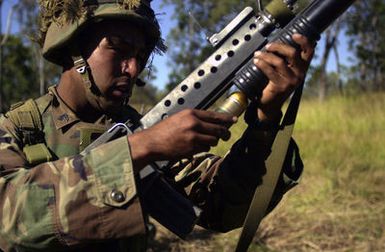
62, 20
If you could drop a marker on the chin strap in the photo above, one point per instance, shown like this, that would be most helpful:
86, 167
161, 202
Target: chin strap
83, 69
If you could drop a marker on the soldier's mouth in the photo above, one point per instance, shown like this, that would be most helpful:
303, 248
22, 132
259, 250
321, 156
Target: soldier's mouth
122, 89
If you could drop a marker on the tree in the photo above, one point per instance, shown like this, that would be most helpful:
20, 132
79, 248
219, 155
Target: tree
333, 80
19, 76
23, 49
366, 28
27, 17
188, 40
330, 40
145, 96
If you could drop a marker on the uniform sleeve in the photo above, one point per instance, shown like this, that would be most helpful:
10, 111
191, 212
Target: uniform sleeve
224, 187
67, 202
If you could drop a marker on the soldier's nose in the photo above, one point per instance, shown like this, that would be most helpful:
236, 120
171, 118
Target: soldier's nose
130, 66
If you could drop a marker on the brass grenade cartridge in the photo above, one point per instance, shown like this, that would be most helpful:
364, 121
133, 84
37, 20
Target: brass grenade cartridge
234, 105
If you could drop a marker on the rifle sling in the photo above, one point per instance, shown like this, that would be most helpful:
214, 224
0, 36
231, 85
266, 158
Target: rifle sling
274, 163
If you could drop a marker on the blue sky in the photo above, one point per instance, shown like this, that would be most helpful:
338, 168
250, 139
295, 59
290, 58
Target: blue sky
166, 22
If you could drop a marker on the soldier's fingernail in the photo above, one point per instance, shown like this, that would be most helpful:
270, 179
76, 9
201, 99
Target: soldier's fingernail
268, 46
257, 54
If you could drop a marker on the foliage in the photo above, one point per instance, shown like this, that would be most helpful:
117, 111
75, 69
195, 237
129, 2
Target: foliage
144, 97
312, 83
363, 24
19, 75
366, 29
188, 40
27, 17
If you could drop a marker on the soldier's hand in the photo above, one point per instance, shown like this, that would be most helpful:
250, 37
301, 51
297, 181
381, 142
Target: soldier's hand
286, 68
180, 136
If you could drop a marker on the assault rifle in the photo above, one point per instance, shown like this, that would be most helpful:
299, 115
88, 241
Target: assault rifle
230, 65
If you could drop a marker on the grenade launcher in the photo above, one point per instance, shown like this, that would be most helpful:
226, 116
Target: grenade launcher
229, 66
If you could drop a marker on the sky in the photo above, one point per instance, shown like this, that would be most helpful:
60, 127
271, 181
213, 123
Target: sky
166, 23
164, 14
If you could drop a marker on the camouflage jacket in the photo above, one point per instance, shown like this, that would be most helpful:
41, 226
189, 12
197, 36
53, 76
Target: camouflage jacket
67, 204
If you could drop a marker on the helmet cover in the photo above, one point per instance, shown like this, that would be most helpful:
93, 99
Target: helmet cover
62, 20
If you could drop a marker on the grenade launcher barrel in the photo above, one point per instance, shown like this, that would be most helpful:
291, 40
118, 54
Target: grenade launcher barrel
311, 22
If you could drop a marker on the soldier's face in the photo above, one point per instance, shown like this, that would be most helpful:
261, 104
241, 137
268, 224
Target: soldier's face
116, 54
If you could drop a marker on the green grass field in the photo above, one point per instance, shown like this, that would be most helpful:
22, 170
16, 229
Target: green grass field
340, 202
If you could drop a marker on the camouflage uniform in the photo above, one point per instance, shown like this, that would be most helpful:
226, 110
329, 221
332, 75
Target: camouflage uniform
67, 202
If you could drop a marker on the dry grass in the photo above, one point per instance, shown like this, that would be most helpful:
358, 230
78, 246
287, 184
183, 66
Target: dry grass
340, 203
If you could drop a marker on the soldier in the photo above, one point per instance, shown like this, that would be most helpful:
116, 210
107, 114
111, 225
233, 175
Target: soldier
51, 197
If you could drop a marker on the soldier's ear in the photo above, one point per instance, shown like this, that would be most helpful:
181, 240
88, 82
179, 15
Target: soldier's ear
67, 63
140, 82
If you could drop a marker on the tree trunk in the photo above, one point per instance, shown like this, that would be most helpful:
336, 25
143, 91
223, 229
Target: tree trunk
323, 80
330, 43
363, 85
338, 63
42, 76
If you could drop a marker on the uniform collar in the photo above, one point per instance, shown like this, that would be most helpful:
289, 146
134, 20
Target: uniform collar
62, 115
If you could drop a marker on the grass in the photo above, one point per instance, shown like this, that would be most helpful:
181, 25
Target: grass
340, 203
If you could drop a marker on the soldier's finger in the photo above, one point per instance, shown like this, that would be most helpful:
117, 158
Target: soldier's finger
215, 117
273, 66
307, 46
202, 141
291, 55
201, 148
216, 130
283, 50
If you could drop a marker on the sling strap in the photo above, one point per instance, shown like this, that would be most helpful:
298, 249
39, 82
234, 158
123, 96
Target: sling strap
264, 192
27, 118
